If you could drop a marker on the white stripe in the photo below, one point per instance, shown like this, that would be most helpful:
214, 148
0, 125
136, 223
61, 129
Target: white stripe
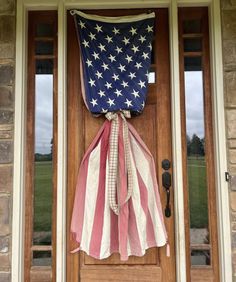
122, 19
138, 210
90, 196
106, 233
143, 166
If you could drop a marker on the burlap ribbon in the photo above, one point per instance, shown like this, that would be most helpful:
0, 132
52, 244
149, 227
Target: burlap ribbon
113, 188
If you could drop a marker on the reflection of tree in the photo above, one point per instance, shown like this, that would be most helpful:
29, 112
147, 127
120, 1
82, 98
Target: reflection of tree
195, 146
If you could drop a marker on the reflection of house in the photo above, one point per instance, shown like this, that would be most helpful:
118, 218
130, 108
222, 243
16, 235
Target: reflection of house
208, 250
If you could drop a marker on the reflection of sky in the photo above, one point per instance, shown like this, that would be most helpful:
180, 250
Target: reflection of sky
43, 118
43, 122
194, 103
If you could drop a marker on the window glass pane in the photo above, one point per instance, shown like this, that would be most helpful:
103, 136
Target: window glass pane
44, 48
44, 66
43, 159
196, 162
44, 30
192, 26
42, 258
152, 75
192, 45
200, 257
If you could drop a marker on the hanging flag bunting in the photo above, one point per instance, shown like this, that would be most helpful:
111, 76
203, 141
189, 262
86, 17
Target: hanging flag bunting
117, 205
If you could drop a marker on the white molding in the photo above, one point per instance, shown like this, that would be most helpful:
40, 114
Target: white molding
62, 148
17, 269
223, 215
177, 146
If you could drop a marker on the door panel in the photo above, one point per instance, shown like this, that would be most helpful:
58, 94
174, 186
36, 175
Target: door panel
154, 127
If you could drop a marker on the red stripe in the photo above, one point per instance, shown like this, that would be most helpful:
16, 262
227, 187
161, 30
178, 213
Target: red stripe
96, 236
78, 209
134, 240
144, 202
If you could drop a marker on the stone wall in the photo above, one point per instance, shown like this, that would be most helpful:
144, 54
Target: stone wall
229, 57
7, 60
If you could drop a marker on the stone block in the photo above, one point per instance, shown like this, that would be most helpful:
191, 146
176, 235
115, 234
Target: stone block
6, 176
230, 87
6, 134
5, 276
6, 152
233, 182
6, 116
7, 29
232, 169
231, 124
232, 144
233, 204
7, 6
6, 74
229, 24
7, 50
4, 261
233, 216
6, 97
232, 156
4, 215
4, 245
229, 52
234, 239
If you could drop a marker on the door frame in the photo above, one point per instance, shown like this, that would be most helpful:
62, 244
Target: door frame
224, 232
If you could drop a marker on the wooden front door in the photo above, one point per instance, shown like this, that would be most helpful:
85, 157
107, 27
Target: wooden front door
154, 127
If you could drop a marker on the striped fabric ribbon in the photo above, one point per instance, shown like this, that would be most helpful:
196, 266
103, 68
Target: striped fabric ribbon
114, 199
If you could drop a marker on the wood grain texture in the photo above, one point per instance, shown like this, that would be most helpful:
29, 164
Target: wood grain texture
82, 127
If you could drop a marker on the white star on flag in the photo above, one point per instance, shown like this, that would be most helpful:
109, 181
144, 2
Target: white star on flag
138, 65
149, 28
109, 39
112, 58
135, 49
98, 28
85, 43
94, 102
145, 56
98, 74
101, 93
128, 103
126, 40
89, 63
91, 82
115, 77
121, 68
124, 84
135, 93
105, 66
132, 75
82, 24
95, 55
118, 50
108, 85
111, 102
129, 58
142, 38
115, 31
101, 47
118, 93
133, 31
92, 36
141, 83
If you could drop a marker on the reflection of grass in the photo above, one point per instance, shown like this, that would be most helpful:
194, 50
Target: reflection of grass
43, 196
197, 193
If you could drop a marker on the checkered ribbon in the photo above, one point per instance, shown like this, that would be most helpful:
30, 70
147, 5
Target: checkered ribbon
113, 191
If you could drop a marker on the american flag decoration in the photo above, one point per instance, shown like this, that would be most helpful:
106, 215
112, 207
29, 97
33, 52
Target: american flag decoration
117, 205
116, 58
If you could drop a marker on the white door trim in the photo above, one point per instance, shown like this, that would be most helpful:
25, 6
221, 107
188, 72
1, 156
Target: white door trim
20, 126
